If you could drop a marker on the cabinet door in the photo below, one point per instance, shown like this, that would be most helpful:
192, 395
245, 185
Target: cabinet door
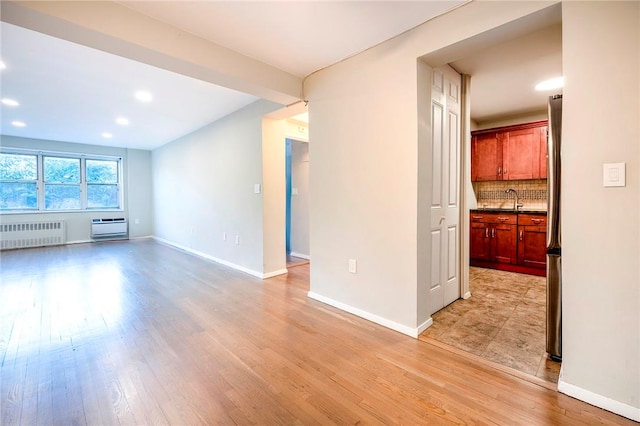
543, 152
479, 242
503, 243
486, 157
532, 246
521, 154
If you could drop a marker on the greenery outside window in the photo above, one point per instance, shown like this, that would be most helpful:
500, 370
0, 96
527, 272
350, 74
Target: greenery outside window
18, 182
102, 184
59, 182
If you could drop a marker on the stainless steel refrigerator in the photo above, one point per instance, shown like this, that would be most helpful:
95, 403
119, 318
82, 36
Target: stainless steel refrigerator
554, 246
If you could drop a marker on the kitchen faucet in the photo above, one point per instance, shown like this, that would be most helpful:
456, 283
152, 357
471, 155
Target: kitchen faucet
516, 205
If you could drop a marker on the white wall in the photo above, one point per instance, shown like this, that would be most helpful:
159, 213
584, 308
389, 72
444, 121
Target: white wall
300, 201
364, 178
274, 197
139, 194
511, 120
601, 226
366, 164
203, 185
136, 183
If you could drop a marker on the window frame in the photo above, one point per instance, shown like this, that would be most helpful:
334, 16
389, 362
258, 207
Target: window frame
40, 182
24, 181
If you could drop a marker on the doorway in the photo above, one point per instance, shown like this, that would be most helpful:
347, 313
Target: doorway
297, 202
504, 319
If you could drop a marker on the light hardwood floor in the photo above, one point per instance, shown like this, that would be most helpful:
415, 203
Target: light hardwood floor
139, 333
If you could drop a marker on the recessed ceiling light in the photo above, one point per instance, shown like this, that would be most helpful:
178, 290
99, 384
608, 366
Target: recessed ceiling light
10, 102
552, 83
122, 121
107, 135
18, 123
143, 96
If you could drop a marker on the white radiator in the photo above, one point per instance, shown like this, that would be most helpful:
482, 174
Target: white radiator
32, 234
102, 229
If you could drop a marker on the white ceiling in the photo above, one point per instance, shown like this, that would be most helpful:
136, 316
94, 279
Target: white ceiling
503, 77
299, 37
69, 92
74, 93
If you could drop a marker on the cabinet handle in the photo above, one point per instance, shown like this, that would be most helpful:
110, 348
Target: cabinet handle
536, 221
503, 219
499, 171
521, 234
486, 232
493, 232
476, 217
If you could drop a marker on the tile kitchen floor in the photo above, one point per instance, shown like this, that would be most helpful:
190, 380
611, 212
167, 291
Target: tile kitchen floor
503, 321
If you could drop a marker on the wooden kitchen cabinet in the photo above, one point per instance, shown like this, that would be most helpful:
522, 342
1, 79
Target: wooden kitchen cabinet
509, 241
509, 153
532, 241
486, 157
493, 237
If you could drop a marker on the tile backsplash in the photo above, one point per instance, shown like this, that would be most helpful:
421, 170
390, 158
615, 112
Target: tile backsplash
492, 194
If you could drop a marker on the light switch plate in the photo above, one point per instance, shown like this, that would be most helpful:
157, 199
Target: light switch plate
256, 188
613, 174
294, 191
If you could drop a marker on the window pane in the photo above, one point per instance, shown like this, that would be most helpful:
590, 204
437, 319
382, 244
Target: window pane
18, 196
61, 197
102, 171
102, 196
61, 170
18, 167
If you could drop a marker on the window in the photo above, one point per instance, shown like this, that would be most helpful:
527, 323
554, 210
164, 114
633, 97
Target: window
18, 182
61, 183
102, 184
58, 182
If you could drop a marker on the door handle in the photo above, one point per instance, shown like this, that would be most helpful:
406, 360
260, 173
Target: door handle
442, 218
503, 219
499, 171
521, 234
493, 232
486, 232
476, 217
536, 221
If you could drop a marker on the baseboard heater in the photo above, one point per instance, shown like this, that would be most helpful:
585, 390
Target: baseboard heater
32, 234
109, 229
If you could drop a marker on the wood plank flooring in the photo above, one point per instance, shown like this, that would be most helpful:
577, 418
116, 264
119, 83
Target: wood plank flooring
137, 333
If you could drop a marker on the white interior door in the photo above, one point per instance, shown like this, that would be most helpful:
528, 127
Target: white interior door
445, 193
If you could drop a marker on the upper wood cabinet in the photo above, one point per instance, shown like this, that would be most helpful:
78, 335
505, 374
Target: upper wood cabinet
510, 153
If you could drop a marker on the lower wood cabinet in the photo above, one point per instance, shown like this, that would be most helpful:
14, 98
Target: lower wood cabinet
509, 241
532, 241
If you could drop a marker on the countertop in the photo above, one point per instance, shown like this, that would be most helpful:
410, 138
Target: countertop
508, 211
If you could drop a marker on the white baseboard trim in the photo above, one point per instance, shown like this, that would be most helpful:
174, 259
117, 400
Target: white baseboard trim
466, 295
275, 273
142, 237
79, 242
604, 402
300, 255
401, 328
209, 257
422, 327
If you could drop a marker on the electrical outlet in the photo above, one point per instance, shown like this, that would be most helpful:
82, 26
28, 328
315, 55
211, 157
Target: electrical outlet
137, 221
237, 239
353, 266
